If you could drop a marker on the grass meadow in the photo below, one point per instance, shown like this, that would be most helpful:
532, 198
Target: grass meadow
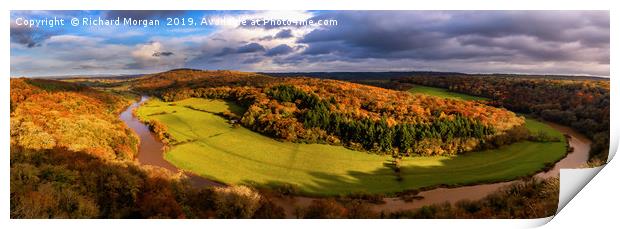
215, 149
444, 93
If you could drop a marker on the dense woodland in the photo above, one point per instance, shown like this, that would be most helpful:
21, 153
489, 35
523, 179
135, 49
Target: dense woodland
71, 157
581, 104
48, 114
524, 199
336, 112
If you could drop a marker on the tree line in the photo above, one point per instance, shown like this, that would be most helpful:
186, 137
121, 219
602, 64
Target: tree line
72, 157
581, 104
376, 135
357, 116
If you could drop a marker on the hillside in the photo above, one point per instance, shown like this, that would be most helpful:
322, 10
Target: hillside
71, 157
358, 116
578, 103
47, 114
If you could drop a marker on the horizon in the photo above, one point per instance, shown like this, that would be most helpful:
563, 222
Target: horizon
301, 72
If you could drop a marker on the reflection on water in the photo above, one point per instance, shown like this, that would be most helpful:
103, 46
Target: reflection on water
150, 153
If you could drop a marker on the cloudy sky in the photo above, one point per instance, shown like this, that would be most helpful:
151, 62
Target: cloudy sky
535, 42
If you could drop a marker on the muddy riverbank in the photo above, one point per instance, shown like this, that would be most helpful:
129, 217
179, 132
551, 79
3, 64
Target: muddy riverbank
151, 153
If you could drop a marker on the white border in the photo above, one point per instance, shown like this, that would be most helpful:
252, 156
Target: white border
580, 213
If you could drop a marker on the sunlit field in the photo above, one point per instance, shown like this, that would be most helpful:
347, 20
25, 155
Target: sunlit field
440, 92
215, 149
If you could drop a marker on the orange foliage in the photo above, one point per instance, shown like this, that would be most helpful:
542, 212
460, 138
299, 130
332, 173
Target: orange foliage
59, 114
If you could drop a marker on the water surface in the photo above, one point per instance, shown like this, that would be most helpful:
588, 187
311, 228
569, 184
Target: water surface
151, 153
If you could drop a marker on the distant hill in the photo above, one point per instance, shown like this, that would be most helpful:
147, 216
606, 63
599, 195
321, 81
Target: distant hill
333, 111
391, 75
338, 75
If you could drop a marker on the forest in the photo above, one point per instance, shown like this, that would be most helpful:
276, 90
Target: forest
530, 198
48, 114
71, 157
335, 112
580, 104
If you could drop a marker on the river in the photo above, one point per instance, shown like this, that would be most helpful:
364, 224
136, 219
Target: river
150, 153
575, 159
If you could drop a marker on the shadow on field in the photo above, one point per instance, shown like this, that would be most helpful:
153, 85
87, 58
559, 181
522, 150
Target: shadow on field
383, 180
392, 179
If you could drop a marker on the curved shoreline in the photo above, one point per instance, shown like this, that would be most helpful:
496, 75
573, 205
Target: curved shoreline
149, 144
575, 159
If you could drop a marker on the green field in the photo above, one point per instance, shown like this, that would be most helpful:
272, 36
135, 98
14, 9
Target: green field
444, 93
239, 156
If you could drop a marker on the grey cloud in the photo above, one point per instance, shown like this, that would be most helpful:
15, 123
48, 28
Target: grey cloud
285, 33
225, 51
379, 31
265, 38
248, 48
544, 25
279, 50
251, 47
324, 47
88, 67
27, 36
516, 37
252, 60
165, 53
533, 48
134, 66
